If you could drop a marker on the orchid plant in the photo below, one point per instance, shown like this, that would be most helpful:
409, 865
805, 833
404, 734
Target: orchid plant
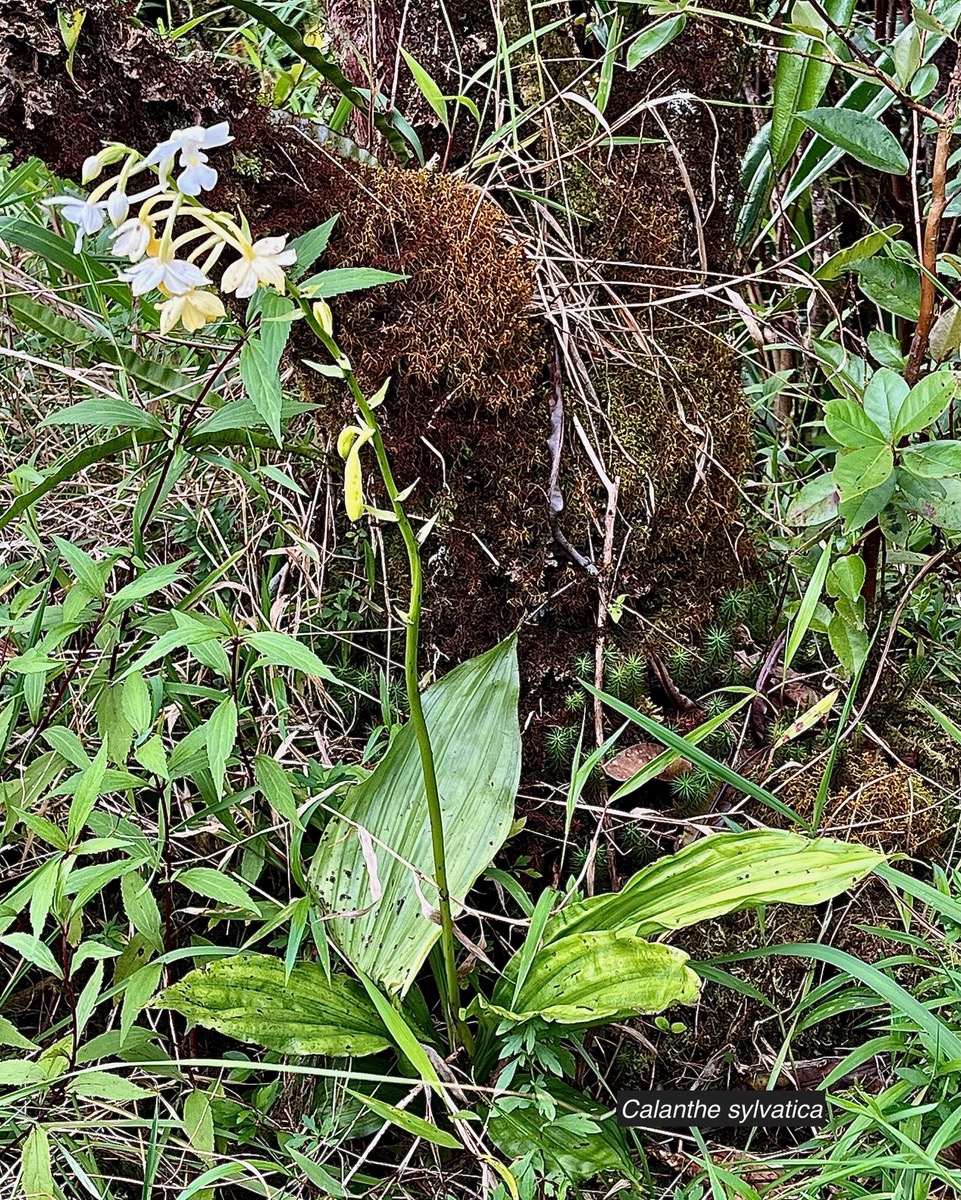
163, 254
178, 262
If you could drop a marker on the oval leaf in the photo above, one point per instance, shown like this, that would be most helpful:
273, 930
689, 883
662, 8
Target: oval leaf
933, 460
849, 424
815, 503
925, 403
860, 471
883, 398
859, 135
591, 978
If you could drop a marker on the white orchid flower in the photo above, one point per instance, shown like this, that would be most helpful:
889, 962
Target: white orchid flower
193, 309
196, 176
132, 239
172, 275
262, 263
79, 211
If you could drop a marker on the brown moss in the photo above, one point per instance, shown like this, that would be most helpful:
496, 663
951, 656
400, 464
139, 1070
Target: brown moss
464, 415
886, 806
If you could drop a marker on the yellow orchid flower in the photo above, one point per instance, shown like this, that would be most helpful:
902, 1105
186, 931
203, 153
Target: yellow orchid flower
193, 309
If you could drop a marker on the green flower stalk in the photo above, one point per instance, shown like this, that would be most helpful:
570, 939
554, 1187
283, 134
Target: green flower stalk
350, 444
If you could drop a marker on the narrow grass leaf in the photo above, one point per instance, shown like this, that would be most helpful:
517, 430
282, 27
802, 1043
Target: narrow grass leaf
411, 1123
805, 614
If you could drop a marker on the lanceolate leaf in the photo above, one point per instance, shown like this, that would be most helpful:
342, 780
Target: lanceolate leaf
56, 250
347, 279
330, 71
282, 650
864, 96
472, 718
599, 976
36, 1173
655, 37
245, 997
310, 246
801, 77
429, 89
797, 630
105, 412
756, 179
720, 874
262, 383
409, 1122
863, 248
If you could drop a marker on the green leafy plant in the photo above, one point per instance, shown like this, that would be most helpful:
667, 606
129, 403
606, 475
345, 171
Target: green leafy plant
881, 470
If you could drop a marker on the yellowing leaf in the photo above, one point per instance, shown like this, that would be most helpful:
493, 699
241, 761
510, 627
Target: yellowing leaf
246, 997
600, 976
808, 719
724, 873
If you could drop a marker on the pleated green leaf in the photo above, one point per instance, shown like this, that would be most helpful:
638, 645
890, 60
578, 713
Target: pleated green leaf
246, 997
471, 715
724, 873
592, 978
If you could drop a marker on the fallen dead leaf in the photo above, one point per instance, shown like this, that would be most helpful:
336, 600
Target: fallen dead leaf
625, 766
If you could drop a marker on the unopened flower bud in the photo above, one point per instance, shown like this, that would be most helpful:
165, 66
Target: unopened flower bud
353, 485
92, 166
324, 317
118, 206
346, 439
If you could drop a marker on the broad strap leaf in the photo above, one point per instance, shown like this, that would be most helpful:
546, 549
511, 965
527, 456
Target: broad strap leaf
723, 873
471, 716
246, 997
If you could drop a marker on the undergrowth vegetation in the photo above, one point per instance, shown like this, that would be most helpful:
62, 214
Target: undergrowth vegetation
479, 506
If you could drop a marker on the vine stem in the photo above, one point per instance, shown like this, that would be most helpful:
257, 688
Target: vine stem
457, 1029
932, 226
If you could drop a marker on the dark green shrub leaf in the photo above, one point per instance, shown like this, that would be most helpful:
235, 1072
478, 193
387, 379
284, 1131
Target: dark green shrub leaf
892, 285
859, 135
655, 37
